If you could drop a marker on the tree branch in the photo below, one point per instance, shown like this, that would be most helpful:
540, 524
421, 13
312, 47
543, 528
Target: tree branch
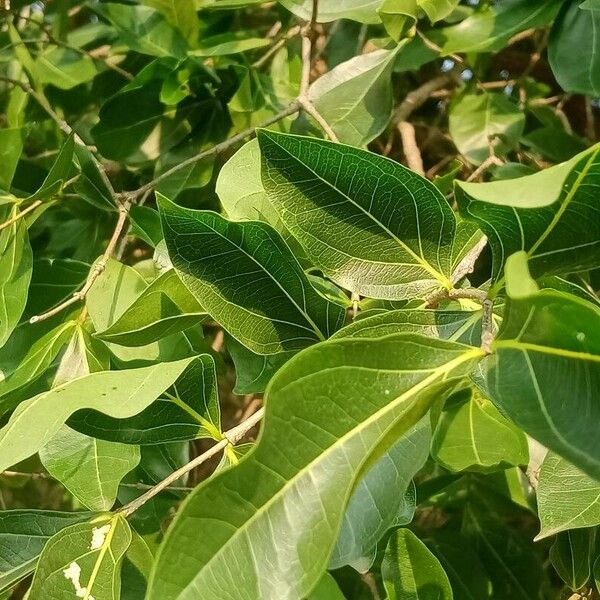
232, 436
218, 148
412, 153
96, 270
467, 264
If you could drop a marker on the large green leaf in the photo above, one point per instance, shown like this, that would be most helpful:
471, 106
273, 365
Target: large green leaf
191, 411
330, 412
166, 306
16, 261
247, 279
23, 534
573, 48
117, 393
84, 561
550, 215
544, 373
64, 68
11, 146
90, 469
472, 434
411, 572
567, 497
370, 224
355, 97
475, 117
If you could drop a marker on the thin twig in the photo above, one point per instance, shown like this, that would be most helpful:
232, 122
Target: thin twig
20, 214
232, 436
309, 107
418, 97
97, 269
280, 43
414, 160
217, 149
484, 166
467, 264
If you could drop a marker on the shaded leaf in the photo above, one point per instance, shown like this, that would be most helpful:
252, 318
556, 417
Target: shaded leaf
259, 293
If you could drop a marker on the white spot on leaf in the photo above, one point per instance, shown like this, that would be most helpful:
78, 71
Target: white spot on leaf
98, 536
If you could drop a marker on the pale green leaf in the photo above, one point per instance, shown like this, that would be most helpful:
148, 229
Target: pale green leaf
165, 307
119, 394
90, 469
84, 561
355, 97
16, 262
567, 497
551, 215
373, 226
23, 534
181, 14
484, 123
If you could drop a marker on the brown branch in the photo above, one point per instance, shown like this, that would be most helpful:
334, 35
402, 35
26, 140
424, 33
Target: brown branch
484, 166
280, 43
418, 97
97, 269
232, 436
410, 148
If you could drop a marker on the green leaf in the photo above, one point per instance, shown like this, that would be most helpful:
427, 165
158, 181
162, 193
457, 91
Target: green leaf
371, 225
458, 326
382, 499
11, 146
573, 49
38, 358
113, 292
571, 554
144, 29
259, 293
328, 411
472, 434
90, 469
489, 29
482, 123
545, 341
411, 572
190, 412
64, 68
567, 497
327, 589
519, 283
136, 127
355, 97
550, 215
119, 394
84, 561
23, 534
253, 371
229, 43
60, 170
165, 307
364, 11
16, 261
182, 15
